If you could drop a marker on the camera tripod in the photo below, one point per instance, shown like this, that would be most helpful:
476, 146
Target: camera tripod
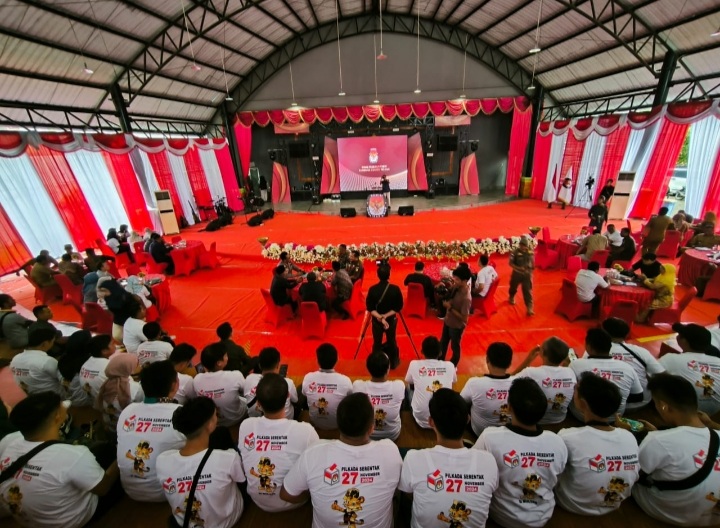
587, 195
367, 320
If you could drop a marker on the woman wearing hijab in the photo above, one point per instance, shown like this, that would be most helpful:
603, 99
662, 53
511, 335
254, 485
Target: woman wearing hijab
664, 287
76, 354
121, 303
118, 244
119, 389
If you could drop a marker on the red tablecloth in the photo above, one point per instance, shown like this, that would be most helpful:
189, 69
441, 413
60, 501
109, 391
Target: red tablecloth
566, 248
193, 249
693, 264
434, 270
161, 292
640, 295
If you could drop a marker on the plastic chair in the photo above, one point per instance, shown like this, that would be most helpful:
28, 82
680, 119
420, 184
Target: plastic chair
486, 305
156, 267
712, 289
670, 245
569, 305
672, 315
208, 259
545, 257
313, 320
70, 292
103, 319
600, 256
133, 269
45, 295
623, 309
415, 303
356, 304
551, 244
275, 314
183, 263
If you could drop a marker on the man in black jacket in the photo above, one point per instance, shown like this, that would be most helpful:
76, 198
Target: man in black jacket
279, 288
384, 301
419, 277
314, 291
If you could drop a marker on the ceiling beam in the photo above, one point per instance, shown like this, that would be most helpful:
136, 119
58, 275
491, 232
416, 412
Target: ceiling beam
312, 11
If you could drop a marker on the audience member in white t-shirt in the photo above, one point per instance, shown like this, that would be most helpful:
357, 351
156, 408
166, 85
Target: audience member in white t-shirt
639, 358
597, 359
587, 281
449, 478
154, 348
60, 486
488, 395
602, 460
529, 460
555, 379
224, 387
325, 388
425, 376
385, 395
715, 335
699, 364
69, 365
351, 481
33, 370
217, 502
675, 454
133, 329
269, 363
92, 372
271, 444
181, 358
119, 389
486, 275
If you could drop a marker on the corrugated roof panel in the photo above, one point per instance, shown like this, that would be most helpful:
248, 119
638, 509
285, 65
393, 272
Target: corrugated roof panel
117, 15
508, 26
280, 10
325, 10
241, 40
161, 86
632, 80
704, 63
263, 24
519, 47
664, 12
464, 8
712, 87
590, 41
210, 53
152, 106
389, 6
180, 68
352, 7
608, 61
167, 8
26, 90
693, 34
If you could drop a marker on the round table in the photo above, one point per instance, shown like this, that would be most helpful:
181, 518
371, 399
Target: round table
566, 248
639, 294
158, 286
693, 264
190, 250
434, 270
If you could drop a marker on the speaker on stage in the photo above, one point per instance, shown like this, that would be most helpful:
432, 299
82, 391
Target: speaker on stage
347, 212
406, 210
267, 214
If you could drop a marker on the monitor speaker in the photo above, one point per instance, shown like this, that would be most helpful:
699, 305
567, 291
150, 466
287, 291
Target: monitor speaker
406, 210
347, 212
267, 214
255, 221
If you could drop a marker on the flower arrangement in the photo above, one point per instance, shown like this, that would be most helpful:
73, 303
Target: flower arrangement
430, 250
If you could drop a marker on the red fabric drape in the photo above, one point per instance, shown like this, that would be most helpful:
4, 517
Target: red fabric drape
657, 177
243, 134
63, 188
543, 145
518, 145
198, 180
13, 251
232, 191
572, 158
615, 148
712, 198
128, 187
163, 175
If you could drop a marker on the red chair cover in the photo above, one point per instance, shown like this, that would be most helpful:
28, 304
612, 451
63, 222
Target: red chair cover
356, 304
486, 305
71, 293
209, 259
313, 320
161, 292
712, 289
544, 257
623, 309
275, 314
600, 256
546, 238
673, 314
45, 295
575, 264
133, 269
156, 267
103, 318
416, 303
670, 245
184, 263
569, 305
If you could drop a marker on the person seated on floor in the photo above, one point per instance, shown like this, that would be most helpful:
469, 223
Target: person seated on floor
419, 277
587, 281
61, 486
673, 455
639, 358
119, 388
238, 358
33, 370
614, 237
69, 366
487, 395
597, 359
602, 460
271, 443
118, 244
625, 251
706, 238
314, 291
291, 269
217, 502
385, 395
160, 253
73, 270
136, 287
155, 348
699, 363
324, 388
591, 244
133, 334
365, 499
13, 326
225, 387
555, 379
425, 376
529, 460
343, 256
269, 363
471, 496
41, 272
43, 314
355, 266
181, 358
343, 286
279, 288
648, 266
92, 373
664, 288
485, 277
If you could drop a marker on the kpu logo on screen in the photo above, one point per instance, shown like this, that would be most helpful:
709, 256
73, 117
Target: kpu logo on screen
373, 157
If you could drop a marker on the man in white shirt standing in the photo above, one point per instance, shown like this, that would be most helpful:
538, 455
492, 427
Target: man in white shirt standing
271, 444
587, 281
144, 431
133, 329
486, 275
385, 395
449, 478
613, 236
639, 358
351, 481
223, 387
602, 460
181, 358
325, 388
425, 376
269, 363
154, 348
33, 370
529, 460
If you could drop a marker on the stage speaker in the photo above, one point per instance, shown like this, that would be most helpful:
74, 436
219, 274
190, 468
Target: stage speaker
474, 145
430, 194
406, 210
213, 225
255, 221
272, 154
348, 212
267, 214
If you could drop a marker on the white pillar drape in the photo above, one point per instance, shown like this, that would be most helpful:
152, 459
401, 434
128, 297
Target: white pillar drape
632, 149
145, 166
182, 183
642, 161
704, 150
212, 173
589, 167
557, 150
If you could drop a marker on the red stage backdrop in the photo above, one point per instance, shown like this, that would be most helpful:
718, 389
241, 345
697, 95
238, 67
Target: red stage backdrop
417, 177
280, 184
469, 182
363, 160
330, 182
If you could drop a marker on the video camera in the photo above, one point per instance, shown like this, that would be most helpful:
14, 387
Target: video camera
590, 182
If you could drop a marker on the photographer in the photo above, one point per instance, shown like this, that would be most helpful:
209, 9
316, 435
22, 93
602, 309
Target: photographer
598, 214
457, 308
384, 301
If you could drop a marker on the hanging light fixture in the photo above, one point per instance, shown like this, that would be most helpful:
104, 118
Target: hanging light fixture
227, 90
195, 66
715, 33
341, 93
292, 87
462, 94
375, 59
417, 76
381, 56
536, 49
87, 70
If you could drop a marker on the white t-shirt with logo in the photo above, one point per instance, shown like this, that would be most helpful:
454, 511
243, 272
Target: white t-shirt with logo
601, 470
386, 398
251, 383
133, 334
34, 371
111, 411
529, 467
487, 396
145, 430
92, 376
73, 391
652, 367
558, 384
485, 278
269, 448
224, 387
427, 376
185, 390
586, 282
348, 484
703, 372
53, 489
324, 391
673, 455
217, 502
449, 486
152, 351
619, 372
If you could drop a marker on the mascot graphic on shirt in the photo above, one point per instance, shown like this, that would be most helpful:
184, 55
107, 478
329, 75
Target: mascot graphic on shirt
530, 486
321, 406
14, 500
142, 453
716, 500
503, 414
195, 520
265, 471
380, 417
457, 514
707, 384
352, 503
558, 402
435, 386
613, 494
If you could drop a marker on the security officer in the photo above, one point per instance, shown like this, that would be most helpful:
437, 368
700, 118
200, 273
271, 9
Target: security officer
522, 264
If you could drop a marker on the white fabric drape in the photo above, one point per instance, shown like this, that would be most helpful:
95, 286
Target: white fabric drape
589, 167
212, 174
98, 187
142, 165
557, 150
642, 161
631, 151
182, 183
30, 208
704, 150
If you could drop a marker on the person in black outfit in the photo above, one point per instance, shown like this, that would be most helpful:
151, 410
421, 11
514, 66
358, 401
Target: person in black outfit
598, 214
608, 190
314, 291
384, 301
648, 266
160, 252
279, 288
625, 251
385, 186
263, 185
419, 277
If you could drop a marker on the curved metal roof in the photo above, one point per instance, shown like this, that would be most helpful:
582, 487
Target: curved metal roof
174, 60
